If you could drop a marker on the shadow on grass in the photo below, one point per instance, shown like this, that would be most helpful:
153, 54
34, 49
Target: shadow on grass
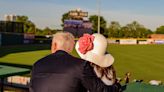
4, 50
16, 65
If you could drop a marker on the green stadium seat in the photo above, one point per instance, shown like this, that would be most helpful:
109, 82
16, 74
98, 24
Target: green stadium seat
142, 87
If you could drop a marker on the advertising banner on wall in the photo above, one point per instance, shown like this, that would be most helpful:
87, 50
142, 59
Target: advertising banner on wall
159, 41
128, 41
112, 41
29, 38
143, 42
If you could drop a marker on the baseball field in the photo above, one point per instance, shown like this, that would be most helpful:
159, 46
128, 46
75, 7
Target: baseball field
144, 62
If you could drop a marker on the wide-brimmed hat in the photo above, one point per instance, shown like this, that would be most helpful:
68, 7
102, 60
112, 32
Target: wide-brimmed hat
93, 48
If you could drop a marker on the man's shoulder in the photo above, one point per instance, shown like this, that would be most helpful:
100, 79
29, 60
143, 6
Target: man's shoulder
78, 59
42, 60
84, 63
67, 58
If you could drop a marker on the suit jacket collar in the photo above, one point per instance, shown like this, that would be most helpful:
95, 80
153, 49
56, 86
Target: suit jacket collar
61, 52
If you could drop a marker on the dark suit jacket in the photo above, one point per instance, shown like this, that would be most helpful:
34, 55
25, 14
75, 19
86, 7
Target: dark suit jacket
61, 72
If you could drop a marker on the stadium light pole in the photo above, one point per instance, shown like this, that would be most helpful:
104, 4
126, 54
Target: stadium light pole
98, 23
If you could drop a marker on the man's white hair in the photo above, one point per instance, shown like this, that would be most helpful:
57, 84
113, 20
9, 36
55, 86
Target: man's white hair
63, 40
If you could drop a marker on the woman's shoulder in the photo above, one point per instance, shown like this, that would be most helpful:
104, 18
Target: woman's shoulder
108, 81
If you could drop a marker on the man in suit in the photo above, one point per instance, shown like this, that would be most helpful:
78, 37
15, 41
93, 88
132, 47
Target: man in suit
61, 72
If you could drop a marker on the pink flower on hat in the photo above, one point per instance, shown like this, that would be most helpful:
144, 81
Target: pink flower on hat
86, 43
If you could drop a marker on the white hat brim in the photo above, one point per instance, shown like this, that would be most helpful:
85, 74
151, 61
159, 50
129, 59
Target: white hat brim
100, 60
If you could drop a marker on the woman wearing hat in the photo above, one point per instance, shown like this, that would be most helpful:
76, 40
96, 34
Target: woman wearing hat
93, 49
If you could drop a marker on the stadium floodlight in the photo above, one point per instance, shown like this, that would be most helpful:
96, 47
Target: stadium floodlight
98, 5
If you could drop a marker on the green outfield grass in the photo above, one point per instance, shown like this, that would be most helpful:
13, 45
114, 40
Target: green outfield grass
143, 61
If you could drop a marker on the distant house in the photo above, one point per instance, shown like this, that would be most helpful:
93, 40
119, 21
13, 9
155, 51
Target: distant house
156, 36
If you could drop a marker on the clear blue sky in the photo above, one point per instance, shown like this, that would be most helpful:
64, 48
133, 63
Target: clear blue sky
48, 12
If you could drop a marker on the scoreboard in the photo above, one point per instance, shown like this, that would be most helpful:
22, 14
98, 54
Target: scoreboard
10, 26
78, 27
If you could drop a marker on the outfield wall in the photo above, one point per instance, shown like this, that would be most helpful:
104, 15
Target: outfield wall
0, 39
136, 41
11, 39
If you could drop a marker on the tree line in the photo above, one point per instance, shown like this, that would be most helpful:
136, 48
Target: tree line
113, 30
30, 27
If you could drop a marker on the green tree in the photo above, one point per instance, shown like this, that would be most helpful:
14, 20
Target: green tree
94, 20
29, 26
126, 32
39, 32
135, 30
65, 16
45, 31
160, 30
114, 30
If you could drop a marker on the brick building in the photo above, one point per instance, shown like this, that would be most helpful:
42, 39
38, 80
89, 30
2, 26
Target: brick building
156, 36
